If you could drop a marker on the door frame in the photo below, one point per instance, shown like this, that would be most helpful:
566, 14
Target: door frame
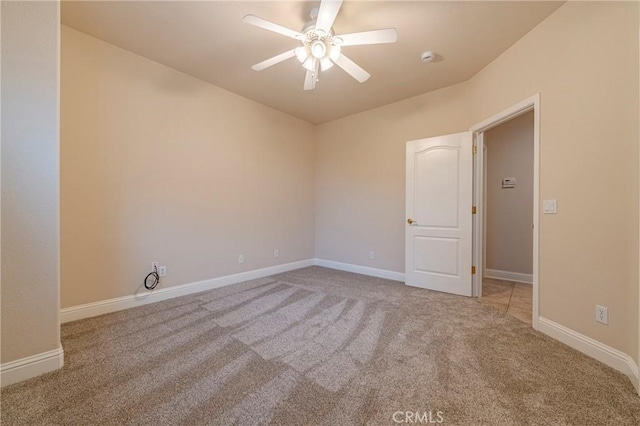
529, 104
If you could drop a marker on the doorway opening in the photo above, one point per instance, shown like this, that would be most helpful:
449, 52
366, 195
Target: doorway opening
506, 188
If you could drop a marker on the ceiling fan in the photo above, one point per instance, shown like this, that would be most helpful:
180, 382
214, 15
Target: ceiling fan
321, 47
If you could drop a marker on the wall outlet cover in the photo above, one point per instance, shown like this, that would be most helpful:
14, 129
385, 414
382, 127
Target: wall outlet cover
602, 314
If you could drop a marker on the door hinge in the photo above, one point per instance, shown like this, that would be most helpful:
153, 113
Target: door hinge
473, 270
473, 210
475, 149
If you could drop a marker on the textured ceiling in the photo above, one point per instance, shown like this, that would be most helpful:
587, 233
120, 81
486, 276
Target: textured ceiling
208, 40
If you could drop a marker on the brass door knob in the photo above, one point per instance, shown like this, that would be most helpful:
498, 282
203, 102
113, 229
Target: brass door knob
410, 221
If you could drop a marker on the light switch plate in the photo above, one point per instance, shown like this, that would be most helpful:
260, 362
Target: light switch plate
550, 207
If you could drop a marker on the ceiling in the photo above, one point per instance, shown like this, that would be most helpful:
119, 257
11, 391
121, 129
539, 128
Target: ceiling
208, 40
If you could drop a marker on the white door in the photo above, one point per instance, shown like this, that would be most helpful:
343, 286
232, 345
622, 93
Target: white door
438, 234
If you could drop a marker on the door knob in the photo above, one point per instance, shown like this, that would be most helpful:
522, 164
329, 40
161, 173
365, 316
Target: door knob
410, 221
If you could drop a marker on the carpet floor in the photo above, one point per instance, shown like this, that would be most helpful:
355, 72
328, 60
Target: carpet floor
317, 346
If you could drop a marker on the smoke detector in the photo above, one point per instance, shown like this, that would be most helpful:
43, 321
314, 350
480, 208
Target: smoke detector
428, 56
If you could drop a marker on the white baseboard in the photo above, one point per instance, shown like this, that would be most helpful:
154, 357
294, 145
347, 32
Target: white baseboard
509, 276
74, 313
31, 366
364, 270
606, 354
102, 307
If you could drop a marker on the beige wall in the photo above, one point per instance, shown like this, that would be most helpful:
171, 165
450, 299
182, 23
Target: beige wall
509, 212
30, 182
160, 166
589, 162
360, 175
589, 151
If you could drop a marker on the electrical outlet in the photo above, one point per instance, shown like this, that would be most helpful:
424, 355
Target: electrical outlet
162, 271
276, 253
602, 314
241, 258
372, 255
154, 266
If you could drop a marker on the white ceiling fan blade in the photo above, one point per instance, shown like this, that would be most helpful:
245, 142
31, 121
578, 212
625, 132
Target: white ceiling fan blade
271, 26
275, 60
327, 14
311, 78
353, 69
387, 35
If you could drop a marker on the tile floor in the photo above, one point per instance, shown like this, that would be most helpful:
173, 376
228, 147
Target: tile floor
515, 299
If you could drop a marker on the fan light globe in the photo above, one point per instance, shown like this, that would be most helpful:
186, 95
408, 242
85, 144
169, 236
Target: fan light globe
325, 64
335, 53
318, 49
310, 64
301, 54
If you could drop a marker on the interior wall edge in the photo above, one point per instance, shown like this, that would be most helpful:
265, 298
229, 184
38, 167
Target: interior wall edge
30, 242
638, 283
32, 366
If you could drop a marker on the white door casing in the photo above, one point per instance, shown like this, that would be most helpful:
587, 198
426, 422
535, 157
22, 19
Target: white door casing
439, 197
532, 103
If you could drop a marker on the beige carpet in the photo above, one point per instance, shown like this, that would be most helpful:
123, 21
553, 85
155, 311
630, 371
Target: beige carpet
318, 347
